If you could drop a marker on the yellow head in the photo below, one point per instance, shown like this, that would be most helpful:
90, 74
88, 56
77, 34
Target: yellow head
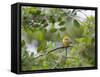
66, 41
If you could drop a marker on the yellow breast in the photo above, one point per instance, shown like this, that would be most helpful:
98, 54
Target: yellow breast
66, 41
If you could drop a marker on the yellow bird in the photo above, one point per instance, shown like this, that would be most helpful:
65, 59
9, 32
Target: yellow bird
66, 41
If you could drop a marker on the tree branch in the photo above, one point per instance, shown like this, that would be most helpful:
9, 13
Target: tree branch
51, 51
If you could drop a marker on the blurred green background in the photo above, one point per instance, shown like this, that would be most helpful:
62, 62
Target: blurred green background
43, 29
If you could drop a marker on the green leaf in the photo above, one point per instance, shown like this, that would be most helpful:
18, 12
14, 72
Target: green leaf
45, 25
43, 21
62, 29
61, 23
52, 20
68, 62
42, 46
39, 48
59, 19
76, 23
38, 12
26, 54
53, 30
39, 34
32, 10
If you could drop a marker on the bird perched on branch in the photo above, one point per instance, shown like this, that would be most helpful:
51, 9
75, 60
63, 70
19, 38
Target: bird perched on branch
66, 42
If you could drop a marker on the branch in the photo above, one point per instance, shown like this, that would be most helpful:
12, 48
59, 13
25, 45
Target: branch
51, 51
54, 50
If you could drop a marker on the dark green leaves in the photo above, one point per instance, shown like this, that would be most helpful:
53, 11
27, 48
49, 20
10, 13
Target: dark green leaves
61, 23
43, 21
59, 19
53, 30
38, 12
76, 23
62, 29
52, 19
45, 25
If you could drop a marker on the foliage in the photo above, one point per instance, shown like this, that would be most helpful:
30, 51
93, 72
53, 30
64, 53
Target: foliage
47, 26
